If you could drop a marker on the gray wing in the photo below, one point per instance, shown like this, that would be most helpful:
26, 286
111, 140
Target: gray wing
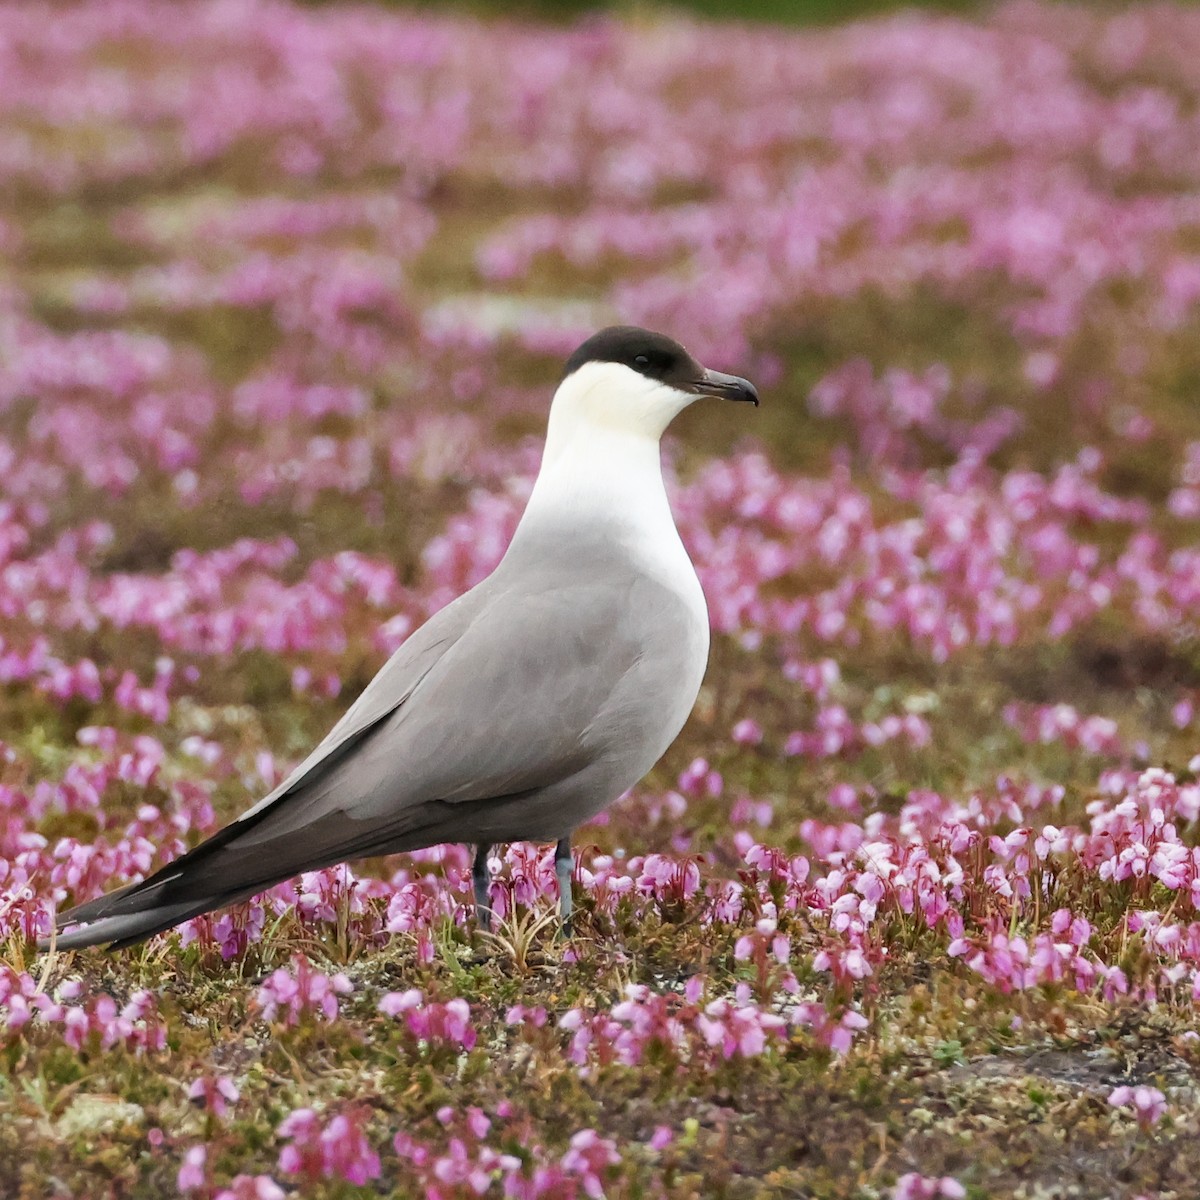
512, 704
390, 688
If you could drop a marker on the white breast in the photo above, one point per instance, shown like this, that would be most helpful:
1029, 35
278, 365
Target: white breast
602, 474
613, 481
653, 543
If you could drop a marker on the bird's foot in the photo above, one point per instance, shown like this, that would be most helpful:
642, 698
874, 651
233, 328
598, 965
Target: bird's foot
564, 870
481, 881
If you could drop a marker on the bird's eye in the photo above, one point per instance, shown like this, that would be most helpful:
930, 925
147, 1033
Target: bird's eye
642, 360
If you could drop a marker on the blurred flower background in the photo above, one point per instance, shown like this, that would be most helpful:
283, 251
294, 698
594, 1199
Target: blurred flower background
911, 907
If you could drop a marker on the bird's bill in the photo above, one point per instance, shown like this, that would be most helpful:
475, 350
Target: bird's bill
726, 387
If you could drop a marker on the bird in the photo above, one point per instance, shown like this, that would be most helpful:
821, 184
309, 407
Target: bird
521, 709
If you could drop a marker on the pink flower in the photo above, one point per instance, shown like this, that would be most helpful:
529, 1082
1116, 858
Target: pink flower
214, 1093
338, 1150
747, 732
589, 1158
917, 1187
193, 1175
668, 881
1149, 1104
252, 1187
520, 1014
431, 1021
301, 990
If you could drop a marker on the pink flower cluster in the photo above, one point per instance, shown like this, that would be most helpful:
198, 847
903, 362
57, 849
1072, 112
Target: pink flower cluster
468, 1166
292, 993
193, 1176
1011, 963
431, 1021
914, 1186
679, 1024
1062, 723
941, 867
96, 1024
336, 1149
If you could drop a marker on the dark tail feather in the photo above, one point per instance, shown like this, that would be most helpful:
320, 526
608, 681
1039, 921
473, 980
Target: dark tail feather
167, 898
220, 872
129, 929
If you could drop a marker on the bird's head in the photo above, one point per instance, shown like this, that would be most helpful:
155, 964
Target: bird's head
635, 381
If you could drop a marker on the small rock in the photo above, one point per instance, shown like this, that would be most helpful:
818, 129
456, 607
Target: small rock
93, 1114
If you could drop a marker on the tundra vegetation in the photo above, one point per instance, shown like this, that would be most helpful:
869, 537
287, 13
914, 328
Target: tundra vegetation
910, 910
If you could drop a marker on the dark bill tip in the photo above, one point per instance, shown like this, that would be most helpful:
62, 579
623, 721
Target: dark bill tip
727, 387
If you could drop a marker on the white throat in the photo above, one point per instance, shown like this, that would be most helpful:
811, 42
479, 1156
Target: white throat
601, 473
603, 395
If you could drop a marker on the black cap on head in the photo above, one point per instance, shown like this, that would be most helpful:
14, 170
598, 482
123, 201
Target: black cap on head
658, 357
648, 353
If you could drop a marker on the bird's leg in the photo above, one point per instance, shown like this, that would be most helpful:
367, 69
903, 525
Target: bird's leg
564, 868
481, 878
